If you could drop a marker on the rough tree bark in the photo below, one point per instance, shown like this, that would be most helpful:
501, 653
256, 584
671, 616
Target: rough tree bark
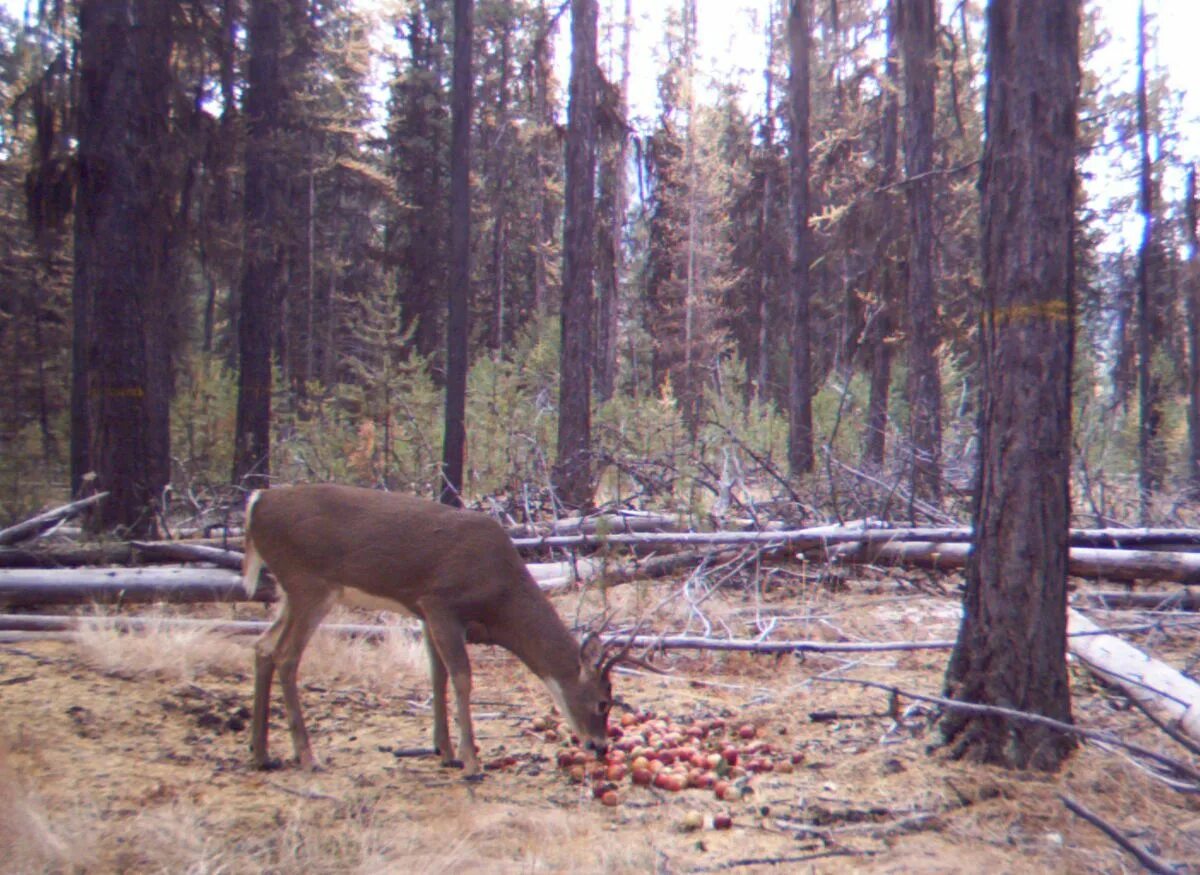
918, 21
122, 230
1011, 647
879, 352
612, 206
573, 470
800, 424
454, 446
267, 183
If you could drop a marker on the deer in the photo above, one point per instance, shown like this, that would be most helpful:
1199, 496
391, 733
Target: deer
456, 570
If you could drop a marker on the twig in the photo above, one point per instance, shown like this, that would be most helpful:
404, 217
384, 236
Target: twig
1040, 719
304, 794
780, 861
691, 642
1149, 862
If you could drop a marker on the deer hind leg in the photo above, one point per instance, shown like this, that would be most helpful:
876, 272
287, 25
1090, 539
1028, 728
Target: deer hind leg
441, 724
264, 672
299, 621
449, 639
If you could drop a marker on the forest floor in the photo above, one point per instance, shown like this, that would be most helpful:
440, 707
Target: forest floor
129, 753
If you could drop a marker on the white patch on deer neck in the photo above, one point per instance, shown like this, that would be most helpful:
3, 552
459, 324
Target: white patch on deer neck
357, 598
556, 693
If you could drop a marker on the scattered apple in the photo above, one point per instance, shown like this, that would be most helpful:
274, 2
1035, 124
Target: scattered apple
722, 821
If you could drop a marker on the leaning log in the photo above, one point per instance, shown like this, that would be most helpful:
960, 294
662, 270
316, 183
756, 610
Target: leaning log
38, 524
1161, 690
177, 551
33, 588
1182, 600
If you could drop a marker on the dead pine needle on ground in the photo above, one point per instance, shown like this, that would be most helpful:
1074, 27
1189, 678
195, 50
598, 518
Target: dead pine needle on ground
129, 752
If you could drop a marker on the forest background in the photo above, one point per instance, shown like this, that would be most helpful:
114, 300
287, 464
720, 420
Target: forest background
691, 350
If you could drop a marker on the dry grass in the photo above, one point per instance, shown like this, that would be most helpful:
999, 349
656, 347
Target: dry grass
168, 788
30, 844
182, 653
163, 650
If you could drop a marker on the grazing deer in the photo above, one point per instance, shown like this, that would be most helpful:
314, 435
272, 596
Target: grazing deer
455, 569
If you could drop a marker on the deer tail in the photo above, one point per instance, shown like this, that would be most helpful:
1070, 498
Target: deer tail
252, 562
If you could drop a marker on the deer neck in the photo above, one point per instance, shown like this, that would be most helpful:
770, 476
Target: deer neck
536, 635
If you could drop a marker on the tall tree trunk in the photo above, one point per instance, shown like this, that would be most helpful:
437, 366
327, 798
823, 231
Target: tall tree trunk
689, 386
1011, 647
1193, 319
573, 469
766, 263
918, 21
123, 227
269, 164
1150, 449
613, 202
880, 327
454, 446
544, 119
503, 310
800, 389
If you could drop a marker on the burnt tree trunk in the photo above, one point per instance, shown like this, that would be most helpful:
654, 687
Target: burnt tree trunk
573, 469
800, 424
1011, 647
610, 227
123, 227
918, 21
879, 327
454, 446
267, 183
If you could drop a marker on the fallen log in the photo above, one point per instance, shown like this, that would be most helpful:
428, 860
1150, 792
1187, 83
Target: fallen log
1090, 562
67, 555
33, 588
797, 539
35, 525
27, 588
624, 522
57, 623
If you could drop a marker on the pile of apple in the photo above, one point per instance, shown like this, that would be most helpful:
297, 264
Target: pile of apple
652, 751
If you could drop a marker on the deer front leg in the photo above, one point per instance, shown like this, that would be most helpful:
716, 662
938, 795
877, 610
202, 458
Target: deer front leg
450, 640
441, 724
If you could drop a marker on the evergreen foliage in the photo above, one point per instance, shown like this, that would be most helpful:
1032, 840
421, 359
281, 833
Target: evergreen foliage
698, 391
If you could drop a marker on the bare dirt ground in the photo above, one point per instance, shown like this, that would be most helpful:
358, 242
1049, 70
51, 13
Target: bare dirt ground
128, 753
